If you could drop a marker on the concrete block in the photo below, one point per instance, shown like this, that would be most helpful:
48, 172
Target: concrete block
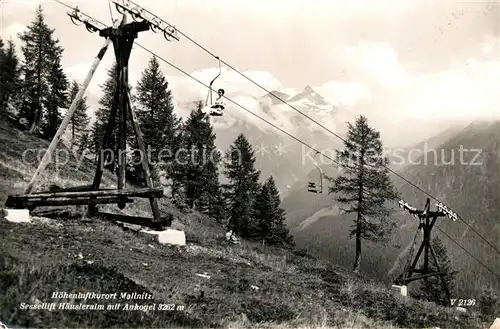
169, 236
496, 324
18, 215
403, 290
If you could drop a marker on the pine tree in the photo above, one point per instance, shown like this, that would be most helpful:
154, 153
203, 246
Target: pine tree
243, 185
489, 303
9, 74
2, 82
364, 185
155, 111
196, 163
269, 217
57, 98
40, 51
102, 116
79, 125
431, 289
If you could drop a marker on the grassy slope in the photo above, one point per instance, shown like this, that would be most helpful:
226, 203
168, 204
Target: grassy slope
68, 254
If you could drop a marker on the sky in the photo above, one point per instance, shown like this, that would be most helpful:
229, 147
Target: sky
404, 60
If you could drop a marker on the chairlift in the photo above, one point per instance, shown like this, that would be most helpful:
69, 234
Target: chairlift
214, 108
312, 187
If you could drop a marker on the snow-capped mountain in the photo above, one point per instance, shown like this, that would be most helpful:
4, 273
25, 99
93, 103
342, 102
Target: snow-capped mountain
277, 153
282, 106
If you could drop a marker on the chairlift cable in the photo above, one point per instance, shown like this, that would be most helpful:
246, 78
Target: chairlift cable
334, 134
296, 139
299, 140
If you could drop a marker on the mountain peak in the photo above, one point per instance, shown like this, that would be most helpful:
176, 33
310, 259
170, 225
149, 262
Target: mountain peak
308, 90
311, 95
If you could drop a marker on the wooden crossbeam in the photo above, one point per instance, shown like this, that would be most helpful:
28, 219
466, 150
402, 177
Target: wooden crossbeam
142, 192
33, 203
423, 276
137, 220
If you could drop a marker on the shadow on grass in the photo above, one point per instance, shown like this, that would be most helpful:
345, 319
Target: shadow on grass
35, 283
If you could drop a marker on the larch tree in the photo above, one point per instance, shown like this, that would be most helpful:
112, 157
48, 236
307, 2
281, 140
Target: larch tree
364, 185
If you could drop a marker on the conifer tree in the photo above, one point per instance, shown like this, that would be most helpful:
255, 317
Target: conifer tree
9, 74
364, 185
243, 185
103, 114
42, 53
79, 125
431, 289
57, 98
155, 112
2, 78
269, 217
196, 163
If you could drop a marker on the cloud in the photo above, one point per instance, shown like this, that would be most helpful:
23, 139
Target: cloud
185, 88
490, 46
12, 30
381, 86
373, 63
468, 90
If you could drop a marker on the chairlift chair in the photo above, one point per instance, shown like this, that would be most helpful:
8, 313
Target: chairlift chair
312, 187
214, 108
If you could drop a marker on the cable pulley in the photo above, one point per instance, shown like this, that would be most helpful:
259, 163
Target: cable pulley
120, 8
155, 25
169, 33
136, 14
75, 17
91, 28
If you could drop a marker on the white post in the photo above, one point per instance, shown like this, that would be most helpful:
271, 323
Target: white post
404, 291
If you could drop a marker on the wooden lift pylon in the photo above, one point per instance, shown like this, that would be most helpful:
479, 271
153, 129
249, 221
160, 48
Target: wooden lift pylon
122, 35
428, 219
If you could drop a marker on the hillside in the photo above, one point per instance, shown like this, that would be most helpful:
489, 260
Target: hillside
470, 190
249, 285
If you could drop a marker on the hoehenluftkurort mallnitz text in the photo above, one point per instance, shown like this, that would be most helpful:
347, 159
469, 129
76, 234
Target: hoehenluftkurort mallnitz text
92, 301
